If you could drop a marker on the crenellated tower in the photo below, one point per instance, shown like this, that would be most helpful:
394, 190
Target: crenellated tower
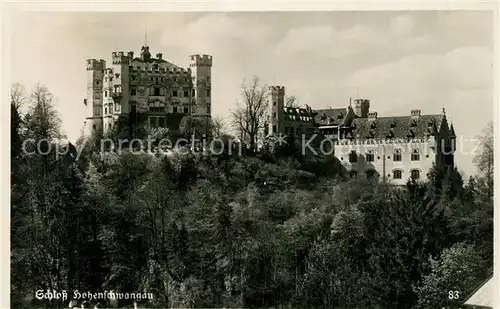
276, 103
201, 74
362, 107
116, 88
94, 99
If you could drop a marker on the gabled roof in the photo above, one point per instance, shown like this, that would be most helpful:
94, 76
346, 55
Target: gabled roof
396, 127
330, 116
298, 114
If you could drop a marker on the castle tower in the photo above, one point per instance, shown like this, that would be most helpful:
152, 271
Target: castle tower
362, 107
93, 101
276, 103
201, 72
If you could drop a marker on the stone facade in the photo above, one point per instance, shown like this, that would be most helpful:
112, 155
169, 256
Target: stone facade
145, 84
392, 148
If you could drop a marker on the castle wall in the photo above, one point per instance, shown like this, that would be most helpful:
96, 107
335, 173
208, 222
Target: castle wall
383, 158
151, 86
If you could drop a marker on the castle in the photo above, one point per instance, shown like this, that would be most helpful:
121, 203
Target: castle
154, 87
392, 148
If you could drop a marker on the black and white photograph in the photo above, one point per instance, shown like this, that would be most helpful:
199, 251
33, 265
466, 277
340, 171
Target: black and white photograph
253, 159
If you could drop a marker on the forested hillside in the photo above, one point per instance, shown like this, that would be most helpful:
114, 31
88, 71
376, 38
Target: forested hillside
263, 230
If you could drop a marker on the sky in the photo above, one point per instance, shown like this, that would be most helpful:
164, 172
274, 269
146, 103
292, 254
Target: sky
399, 60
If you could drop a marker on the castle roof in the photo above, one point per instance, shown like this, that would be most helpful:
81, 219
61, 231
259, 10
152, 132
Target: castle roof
397, 127
298, 114
330, 116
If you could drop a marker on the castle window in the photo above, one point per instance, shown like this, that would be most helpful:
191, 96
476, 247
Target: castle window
111, 79
274, 129
117, 75
208, 92
133, 77
415, 174
117, 107
152, 122
194, 92
93, 127
274, 115
157, 91
415, 155
175, 109
105, 111
397, 174
397, 155
106, 94
174, 93
97, 82
186, 110
208, 109
186, 93
110, 108
132, 91
353, 157
161, 122
370, 157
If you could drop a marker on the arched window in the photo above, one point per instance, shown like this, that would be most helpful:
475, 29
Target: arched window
397, 174
415, 174
397, 155
415, 155
110, 108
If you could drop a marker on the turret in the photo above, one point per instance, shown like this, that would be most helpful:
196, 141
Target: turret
276, 103
145, 54
362, 107
201, 72
93, 101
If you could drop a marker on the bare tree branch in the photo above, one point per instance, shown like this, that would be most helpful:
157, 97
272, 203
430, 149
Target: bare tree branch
250, 115
18, 95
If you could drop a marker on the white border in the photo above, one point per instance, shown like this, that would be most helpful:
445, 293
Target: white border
283, 5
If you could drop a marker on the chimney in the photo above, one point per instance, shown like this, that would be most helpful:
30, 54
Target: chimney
415, 113
159, 55
131, 55
372, 115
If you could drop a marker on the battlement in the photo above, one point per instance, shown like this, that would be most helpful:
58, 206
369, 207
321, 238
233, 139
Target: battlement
277, 90
361, 101
415, 112
120, 57
201, 60
413, 141
94, 64
372, 115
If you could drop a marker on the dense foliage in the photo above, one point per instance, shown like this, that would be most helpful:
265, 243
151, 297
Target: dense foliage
269, 230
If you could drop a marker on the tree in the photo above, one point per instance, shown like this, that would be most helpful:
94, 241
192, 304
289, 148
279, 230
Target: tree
291, 101
249, 116
484, 158
218, 126
17, 100
43, 120
195, 126
458, 269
